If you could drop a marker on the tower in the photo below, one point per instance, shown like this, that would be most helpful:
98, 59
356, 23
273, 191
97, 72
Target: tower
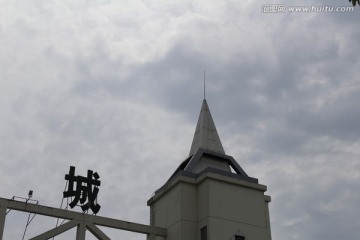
209, 196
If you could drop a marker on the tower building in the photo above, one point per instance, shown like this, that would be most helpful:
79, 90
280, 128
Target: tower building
209, 196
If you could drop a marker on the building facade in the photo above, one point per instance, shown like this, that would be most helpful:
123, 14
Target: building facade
209, 196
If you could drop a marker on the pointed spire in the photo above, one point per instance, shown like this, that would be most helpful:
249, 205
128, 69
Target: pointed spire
206, 135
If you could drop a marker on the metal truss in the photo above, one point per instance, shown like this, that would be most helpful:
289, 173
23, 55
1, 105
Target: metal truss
81, 221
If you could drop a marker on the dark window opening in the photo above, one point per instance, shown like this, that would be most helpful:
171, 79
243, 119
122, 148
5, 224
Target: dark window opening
237, 237
203, 233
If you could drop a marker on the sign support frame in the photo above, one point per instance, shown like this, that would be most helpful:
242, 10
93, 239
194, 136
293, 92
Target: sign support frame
81, 220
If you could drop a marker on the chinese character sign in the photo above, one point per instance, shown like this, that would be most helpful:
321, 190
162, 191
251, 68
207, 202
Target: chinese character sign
85, 192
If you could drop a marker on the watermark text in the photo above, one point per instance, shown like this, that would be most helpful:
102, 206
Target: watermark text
282, 8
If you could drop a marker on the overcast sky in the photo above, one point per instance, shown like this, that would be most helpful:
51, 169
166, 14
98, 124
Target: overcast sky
116, 87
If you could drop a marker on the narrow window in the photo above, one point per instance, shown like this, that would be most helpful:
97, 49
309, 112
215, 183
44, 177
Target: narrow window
203, 233
237, 237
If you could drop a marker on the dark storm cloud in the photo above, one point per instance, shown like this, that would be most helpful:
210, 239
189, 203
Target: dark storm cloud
339, 119
174, 81
315, 205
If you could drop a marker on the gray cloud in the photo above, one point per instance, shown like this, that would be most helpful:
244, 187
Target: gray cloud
116, 88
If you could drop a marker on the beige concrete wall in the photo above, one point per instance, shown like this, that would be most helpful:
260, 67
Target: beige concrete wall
235, 203
225, 205
176, 210
167, 209
223, 229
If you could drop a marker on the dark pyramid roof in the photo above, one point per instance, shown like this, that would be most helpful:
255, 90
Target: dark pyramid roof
206, 135
207, 153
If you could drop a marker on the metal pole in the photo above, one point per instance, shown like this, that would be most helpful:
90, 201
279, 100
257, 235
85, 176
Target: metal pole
27, 224
151, 237
80, 233
2, 220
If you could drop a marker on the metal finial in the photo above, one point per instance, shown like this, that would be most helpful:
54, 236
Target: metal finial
204, 84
